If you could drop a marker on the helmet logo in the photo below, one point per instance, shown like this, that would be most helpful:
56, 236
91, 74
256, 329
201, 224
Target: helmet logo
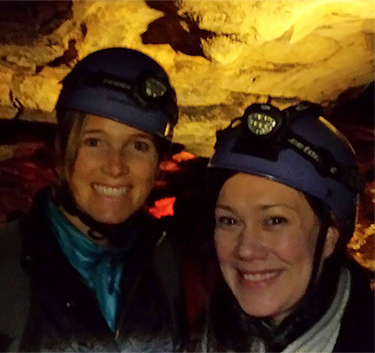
117, 84
306, 149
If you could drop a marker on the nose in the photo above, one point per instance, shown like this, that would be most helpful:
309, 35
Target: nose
251, 245
115, 164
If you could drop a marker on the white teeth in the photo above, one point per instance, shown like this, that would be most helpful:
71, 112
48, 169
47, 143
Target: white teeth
109, 191
260, 276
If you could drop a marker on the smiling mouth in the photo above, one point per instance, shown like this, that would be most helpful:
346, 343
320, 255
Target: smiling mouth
111, 191
260, 276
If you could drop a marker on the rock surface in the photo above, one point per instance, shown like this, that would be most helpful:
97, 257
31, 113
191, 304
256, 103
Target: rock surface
221, 55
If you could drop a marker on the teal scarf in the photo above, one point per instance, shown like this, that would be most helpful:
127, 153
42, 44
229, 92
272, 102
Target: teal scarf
101, 268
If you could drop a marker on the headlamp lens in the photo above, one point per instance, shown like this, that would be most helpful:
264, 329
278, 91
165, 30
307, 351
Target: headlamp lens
154, 88
261, 124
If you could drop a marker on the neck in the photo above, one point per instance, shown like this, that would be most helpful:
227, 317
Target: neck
98, 239
102, 234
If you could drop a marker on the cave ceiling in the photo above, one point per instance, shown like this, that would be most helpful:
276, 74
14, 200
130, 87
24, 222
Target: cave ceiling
221, 55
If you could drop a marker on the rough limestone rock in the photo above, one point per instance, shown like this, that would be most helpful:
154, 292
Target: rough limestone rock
221, 55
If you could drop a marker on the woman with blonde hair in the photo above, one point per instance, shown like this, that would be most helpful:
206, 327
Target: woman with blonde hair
89, 269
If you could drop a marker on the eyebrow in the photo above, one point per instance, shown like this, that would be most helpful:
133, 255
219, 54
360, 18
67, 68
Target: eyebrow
267, 207
92, 131
226, 208
144, 135
139, 134
262, 208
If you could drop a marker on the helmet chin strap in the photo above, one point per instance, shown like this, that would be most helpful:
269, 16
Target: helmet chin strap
114, 233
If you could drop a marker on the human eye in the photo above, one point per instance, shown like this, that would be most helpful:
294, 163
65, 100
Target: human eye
276, 221
141, 145
226, 221
91, 141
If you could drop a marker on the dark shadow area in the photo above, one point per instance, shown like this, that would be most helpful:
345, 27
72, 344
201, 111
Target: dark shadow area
355, 119
181, 33
23, 22
69, 58
360, 110
12, 131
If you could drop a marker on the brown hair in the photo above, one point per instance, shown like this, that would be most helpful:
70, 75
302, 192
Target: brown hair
70, 123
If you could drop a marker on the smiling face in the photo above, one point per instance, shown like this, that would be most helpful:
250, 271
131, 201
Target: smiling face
114, 171
265, 237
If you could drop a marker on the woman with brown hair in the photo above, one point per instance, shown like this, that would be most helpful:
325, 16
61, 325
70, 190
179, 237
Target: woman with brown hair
283, 191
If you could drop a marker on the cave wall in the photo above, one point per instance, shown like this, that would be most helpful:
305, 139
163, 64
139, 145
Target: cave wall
221, 55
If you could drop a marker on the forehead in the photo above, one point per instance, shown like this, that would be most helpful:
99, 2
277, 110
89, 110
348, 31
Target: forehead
95, 123
248, 191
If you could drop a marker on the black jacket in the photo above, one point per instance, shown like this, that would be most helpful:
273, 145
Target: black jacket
46, 306
357, 325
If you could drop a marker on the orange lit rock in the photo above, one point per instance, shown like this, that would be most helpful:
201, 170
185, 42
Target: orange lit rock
163, 207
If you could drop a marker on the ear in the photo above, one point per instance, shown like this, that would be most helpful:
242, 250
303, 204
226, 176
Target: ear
331, 241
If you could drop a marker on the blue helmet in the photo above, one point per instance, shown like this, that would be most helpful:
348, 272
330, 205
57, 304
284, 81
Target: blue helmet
296, 147
124, 85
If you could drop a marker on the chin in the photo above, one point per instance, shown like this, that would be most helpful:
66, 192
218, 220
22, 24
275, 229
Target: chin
260, 311
110, 219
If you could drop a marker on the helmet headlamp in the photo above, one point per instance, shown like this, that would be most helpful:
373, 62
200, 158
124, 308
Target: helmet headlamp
261, 124
149, 91
153, 87
264, 131
263, 120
